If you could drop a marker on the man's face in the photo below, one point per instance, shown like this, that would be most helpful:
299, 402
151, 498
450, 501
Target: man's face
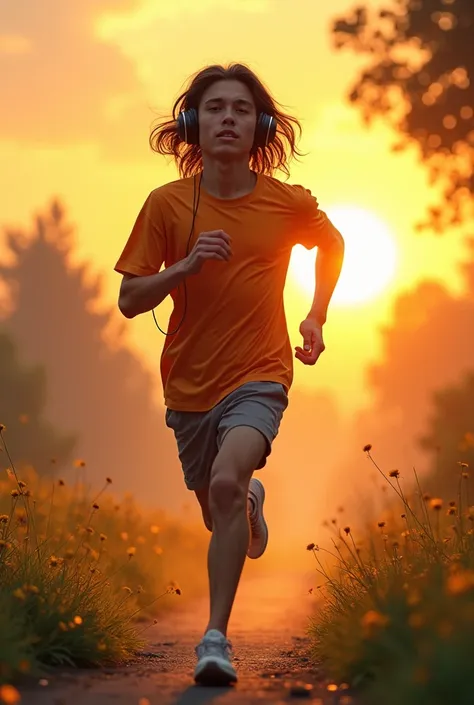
227, 106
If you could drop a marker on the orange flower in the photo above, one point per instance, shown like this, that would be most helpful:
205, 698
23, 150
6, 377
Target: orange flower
436, 503
461, 582
8, 693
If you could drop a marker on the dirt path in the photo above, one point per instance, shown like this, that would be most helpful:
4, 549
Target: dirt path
268, 635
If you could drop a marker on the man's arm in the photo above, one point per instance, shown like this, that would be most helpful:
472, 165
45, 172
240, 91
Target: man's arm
141, 294
329, 261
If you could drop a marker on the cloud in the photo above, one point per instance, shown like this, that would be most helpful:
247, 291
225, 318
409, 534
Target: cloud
59, 79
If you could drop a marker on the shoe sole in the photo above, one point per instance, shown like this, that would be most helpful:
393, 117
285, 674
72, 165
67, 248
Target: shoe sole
264, 523
213, 673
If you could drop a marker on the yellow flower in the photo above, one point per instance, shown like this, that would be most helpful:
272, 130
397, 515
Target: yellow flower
436, 503
124, 536
79, 463
461, 582
373, 620
15, 493
155, 529
19, 594
77, 620
4, 518
8, 693
53, 562
131, 551
103, 537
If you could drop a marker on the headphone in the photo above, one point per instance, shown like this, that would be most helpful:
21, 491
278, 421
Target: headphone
187, 127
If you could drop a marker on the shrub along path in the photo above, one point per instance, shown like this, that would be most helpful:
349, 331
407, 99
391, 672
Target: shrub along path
269, 642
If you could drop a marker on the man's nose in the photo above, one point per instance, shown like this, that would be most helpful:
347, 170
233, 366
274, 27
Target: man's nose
228, 116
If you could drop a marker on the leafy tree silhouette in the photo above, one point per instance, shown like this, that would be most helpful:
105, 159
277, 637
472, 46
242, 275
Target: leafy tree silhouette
450, 437
420, 79
96, 384
31, 439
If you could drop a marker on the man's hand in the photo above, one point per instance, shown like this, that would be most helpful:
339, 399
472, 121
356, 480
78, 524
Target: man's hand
213, 244
313, 344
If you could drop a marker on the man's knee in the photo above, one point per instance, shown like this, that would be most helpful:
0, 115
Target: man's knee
227, 495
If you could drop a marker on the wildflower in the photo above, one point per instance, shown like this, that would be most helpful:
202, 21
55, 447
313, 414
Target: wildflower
464, 465
143, 701
101, 646
2, 427
4, 518
373, 620
141, 539
103, 537
21, 484
90, 530
451, 511
155, 529
158, 550
403, 516
332, 687
69, 554
53, 562
465, 475
426, 497
436, 504
8, 693
108, 480
127, 589
381, 524
452, 503
19, 594
460, 582
33, 589
394, 473
79, 463
131, 551
77, 619
4, 544
95, 505
367, 447
61, 482
15, 493
124, 536
311, 547
416, 620
177, 591
347, 530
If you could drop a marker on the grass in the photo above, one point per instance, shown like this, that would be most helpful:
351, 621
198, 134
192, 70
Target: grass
395, 620
82, 577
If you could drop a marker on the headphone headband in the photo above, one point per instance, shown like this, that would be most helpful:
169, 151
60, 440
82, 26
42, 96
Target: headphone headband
187, 127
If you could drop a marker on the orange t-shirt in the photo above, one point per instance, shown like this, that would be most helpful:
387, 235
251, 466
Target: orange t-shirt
234, 330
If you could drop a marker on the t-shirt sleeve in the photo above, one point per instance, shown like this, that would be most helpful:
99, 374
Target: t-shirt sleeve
312, 226
145, 249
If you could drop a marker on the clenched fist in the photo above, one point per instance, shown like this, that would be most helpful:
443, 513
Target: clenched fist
214, 244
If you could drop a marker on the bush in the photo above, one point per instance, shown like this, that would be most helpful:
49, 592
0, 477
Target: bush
397, 615
78, 573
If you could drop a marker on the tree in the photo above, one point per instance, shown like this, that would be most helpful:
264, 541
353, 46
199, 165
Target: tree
31, 439
95, 383
450, 436
420, 79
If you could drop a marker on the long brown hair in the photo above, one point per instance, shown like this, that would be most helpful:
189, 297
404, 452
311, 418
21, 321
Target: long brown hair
165, 140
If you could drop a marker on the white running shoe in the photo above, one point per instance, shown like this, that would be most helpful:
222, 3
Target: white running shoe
258, 525
214, 667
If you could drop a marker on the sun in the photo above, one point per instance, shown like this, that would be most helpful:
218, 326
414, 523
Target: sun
370, 260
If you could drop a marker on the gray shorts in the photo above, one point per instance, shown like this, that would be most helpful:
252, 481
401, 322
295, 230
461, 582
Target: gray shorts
199, 434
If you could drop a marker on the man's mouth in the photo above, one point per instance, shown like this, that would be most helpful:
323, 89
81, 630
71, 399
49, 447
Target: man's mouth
227, 134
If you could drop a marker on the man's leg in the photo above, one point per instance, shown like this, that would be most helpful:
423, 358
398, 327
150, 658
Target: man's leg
240, 453
202, 495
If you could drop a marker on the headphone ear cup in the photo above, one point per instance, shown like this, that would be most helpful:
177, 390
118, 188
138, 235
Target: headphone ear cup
187, 126
266, 130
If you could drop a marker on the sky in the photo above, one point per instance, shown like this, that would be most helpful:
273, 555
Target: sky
82, 82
